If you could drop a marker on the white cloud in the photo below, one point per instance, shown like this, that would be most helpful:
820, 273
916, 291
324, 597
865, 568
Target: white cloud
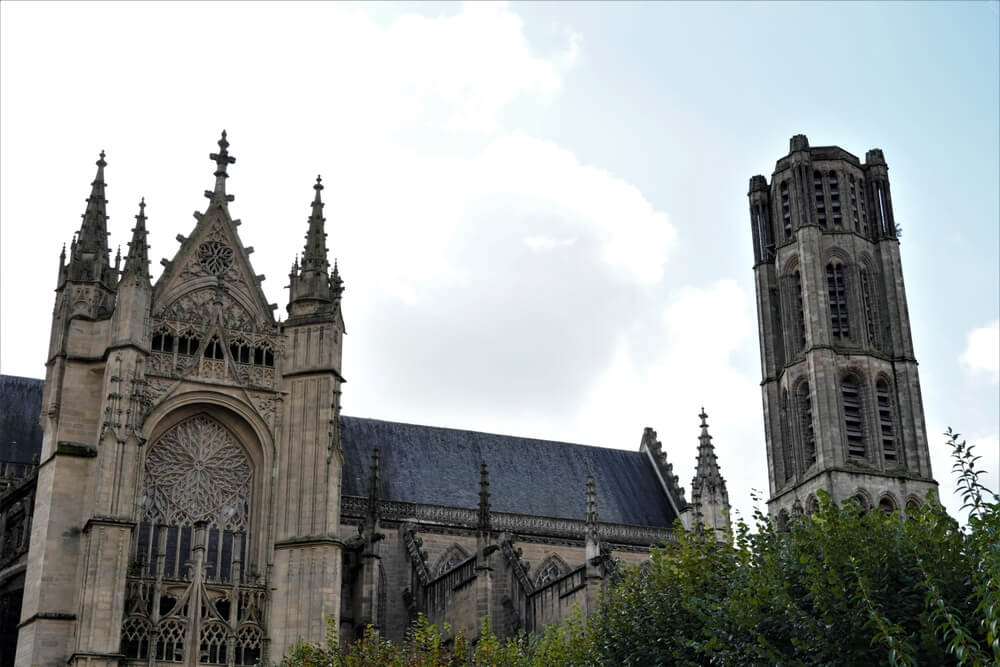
982, 351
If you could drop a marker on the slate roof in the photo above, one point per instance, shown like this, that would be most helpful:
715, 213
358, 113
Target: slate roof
440, 466
20, 405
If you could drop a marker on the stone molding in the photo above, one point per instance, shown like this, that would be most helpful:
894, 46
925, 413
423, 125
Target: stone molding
458, 517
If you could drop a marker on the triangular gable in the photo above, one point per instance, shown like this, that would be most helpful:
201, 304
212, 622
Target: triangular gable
211, 266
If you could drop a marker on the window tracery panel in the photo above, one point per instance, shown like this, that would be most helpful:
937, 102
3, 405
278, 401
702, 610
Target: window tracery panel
191, 594
548, 571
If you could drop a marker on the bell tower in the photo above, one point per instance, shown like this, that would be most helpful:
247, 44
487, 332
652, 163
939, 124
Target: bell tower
842, 404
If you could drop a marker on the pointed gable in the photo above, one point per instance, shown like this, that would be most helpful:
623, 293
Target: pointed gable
211, 279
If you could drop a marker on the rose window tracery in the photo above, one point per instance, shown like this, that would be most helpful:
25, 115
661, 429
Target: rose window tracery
197, 472
215, 257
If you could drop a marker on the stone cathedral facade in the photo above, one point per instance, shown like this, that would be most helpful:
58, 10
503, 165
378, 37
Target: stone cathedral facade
195, 496
842, 405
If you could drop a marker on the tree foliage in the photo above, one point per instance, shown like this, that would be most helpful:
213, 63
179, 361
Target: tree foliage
839, 587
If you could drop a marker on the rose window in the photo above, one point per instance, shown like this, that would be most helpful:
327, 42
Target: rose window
215, 257
197, 472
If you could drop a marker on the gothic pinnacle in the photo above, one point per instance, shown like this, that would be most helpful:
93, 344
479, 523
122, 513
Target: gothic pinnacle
89, 253
137, 261
222, 161
314, 255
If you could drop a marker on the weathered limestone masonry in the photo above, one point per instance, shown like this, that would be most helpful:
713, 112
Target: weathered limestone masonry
198, 498
842, 404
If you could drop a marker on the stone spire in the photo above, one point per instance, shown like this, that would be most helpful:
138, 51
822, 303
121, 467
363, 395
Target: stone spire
314, 254
89, 257
222, 161
708, 488
313, 287
137, 261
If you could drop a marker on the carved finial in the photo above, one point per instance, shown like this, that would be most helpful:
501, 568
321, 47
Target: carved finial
137, 262
336, 284
222, 161
704, 417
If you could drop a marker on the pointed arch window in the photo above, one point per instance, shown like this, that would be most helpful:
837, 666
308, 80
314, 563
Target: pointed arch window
834, 185
836, 282
196, 472
799, 310
820, 198
886, 421
786, 210
450, 559
804, 400
214, 349
187, 344
163, 341
550, 570
887, 505
241, 351
854, 429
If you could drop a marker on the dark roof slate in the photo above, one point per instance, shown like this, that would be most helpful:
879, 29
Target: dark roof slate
440, 466
20, 405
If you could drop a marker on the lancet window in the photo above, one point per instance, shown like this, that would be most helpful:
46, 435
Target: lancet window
862, 207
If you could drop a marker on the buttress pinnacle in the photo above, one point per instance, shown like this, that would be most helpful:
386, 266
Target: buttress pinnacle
89, 255
137, 261
314, 254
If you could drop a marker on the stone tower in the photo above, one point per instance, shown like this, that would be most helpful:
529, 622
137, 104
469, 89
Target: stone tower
188, 497
842, 404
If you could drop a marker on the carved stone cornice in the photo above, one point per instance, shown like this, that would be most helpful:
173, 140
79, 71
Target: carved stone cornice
457, 517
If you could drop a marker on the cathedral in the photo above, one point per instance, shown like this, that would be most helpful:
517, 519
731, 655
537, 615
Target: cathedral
182, 487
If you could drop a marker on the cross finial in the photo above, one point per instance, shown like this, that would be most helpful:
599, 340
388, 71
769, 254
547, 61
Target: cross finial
222, 161
704, 417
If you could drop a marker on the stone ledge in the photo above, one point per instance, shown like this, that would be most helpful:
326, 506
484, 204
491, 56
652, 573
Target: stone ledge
66, 448
107, 521
47, 616
308, 541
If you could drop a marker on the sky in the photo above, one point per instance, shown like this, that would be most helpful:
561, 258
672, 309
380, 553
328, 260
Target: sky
539, 210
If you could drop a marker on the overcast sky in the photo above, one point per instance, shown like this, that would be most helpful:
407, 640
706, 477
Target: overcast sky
539, 210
